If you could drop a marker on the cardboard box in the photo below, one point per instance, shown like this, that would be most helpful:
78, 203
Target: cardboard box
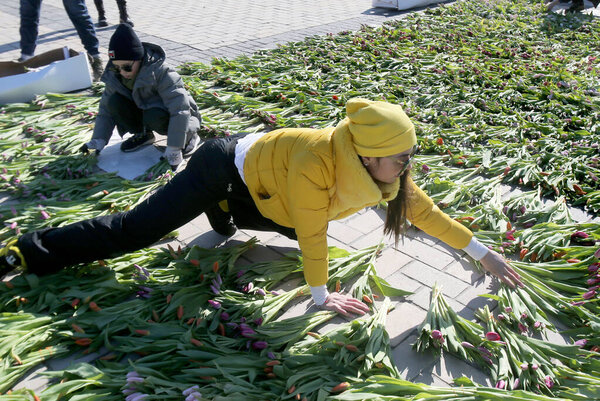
59, 71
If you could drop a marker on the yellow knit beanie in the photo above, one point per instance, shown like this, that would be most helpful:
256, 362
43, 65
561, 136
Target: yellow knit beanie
379, 128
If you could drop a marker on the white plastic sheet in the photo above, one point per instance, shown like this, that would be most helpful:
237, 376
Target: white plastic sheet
127, 165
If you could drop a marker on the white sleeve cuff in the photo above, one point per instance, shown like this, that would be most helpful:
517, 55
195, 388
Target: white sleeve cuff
319, 294
476, 249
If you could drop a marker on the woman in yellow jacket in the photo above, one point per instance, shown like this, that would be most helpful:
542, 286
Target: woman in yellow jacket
293, 181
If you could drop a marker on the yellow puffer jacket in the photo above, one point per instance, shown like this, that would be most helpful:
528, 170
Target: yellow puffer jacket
304, 178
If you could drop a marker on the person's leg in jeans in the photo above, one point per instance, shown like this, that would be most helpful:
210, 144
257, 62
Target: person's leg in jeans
178, 202
123, 16
78, 13
30, 18
101, 14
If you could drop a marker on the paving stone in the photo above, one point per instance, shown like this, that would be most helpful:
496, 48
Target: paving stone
373, 238
465, 270
33, 380
390, 261
409, 362
403, 282
427, 275
449, 367
342, 231
403, 321
422, 298
261, 253
370, 220
470, 296
429, 254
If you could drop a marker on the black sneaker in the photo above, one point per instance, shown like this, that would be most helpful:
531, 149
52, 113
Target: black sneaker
137, 141
220, 221
10, 258
102, 22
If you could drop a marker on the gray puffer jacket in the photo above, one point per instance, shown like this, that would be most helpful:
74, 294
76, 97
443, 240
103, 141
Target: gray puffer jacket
156, 85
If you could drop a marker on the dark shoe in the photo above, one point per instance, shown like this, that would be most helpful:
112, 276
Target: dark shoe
137, 141
97, 67
220, 221
102, 22
24, 57
191, 146
10, 258
126, 21
576, 7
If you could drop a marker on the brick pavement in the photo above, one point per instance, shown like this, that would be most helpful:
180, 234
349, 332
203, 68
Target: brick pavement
192, 30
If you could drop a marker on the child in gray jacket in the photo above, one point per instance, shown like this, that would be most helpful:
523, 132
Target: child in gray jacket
143, 95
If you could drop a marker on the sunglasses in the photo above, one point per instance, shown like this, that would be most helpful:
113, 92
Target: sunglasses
405, 163
125, 68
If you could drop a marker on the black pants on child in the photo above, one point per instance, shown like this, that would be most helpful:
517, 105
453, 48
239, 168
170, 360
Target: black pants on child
210, 177
132, 119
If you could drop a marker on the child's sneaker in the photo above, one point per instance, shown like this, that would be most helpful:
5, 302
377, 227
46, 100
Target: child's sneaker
137, 141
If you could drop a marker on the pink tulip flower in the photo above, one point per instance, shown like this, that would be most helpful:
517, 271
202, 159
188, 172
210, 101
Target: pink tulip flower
492, 336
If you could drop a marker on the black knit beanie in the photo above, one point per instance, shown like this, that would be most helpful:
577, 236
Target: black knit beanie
125, 45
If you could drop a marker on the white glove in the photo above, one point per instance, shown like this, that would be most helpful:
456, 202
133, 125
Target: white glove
173, 156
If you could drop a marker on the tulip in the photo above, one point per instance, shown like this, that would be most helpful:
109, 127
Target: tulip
579, 234
534, 366
224, 316
258, 345
135, 397
597, 253
190, 390
549, 382
484, 351
214, 304
501, 317
425, 168
537, 325
436, 334
271, 355
593, 281
522, 328
580, 343
467, 344
13, 225
524, 366
492, 336
589, 295
508, 309
577, 303
501, 384
215, 291
509, 235
524, 316
516, 384
219, 279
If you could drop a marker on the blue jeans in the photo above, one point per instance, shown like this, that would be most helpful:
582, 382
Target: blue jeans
78, 13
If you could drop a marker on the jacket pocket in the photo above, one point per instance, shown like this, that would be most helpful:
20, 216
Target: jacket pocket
274, 209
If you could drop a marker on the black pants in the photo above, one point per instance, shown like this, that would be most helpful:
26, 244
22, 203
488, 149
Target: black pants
132, 119
210, 177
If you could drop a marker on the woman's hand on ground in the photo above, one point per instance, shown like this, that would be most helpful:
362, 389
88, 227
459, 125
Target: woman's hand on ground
494, 263
344, 304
